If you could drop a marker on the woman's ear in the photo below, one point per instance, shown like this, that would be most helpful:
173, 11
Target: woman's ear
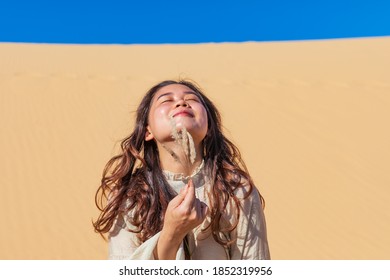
148, 134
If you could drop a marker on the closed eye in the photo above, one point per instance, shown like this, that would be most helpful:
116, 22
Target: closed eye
166, 100
193, 99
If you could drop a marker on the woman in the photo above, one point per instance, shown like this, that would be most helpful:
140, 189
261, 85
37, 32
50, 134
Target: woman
179, 189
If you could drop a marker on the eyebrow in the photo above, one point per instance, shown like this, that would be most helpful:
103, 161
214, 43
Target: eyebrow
169, 93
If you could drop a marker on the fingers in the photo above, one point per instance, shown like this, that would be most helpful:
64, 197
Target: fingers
177, 200
197, 209
189, 198
188, 207
192, 203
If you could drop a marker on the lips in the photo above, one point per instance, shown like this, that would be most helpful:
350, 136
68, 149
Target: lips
183, 113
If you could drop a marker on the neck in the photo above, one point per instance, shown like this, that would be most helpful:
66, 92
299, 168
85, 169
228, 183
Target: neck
173, 158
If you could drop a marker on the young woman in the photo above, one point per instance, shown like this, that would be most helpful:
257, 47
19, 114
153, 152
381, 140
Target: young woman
162, 199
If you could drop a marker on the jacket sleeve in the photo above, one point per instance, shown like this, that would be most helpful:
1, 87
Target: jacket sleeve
124, 244
251, 232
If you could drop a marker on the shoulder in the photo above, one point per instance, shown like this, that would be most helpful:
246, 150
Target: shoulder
251, 201
246, 189
245, 196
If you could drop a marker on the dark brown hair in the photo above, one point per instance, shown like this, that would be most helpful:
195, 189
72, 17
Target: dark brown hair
135, 178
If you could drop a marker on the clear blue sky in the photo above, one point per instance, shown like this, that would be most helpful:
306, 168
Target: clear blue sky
156, 22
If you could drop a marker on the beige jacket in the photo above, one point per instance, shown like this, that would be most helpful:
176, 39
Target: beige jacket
250, 233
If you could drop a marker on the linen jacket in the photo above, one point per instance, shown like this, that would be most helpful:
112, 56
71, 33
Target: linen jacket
250, 235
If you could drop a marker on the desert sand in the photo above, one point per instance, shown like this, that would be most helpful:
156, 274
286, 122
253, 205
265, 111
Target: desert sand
311, 119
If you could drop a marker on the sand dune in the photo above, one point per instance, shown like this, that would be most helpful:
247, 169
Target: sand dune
311, 119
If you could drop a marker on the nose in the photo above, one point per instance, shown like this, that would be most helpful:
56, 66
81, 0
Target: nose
182, 102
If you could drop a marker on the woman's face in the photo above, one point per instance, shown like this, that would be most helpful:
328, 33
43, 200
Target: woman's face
180, 103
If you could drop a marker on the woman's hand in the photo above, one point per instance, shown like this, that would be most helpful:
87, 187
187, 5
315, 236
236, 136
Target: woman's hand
184, 213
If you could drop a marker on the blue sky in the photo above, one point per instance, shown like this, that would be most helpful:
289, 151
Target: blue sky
156, 22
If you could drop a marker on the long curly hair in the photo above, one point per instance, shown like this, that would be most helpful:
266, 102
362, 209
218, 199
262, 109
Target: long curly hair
135, 178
